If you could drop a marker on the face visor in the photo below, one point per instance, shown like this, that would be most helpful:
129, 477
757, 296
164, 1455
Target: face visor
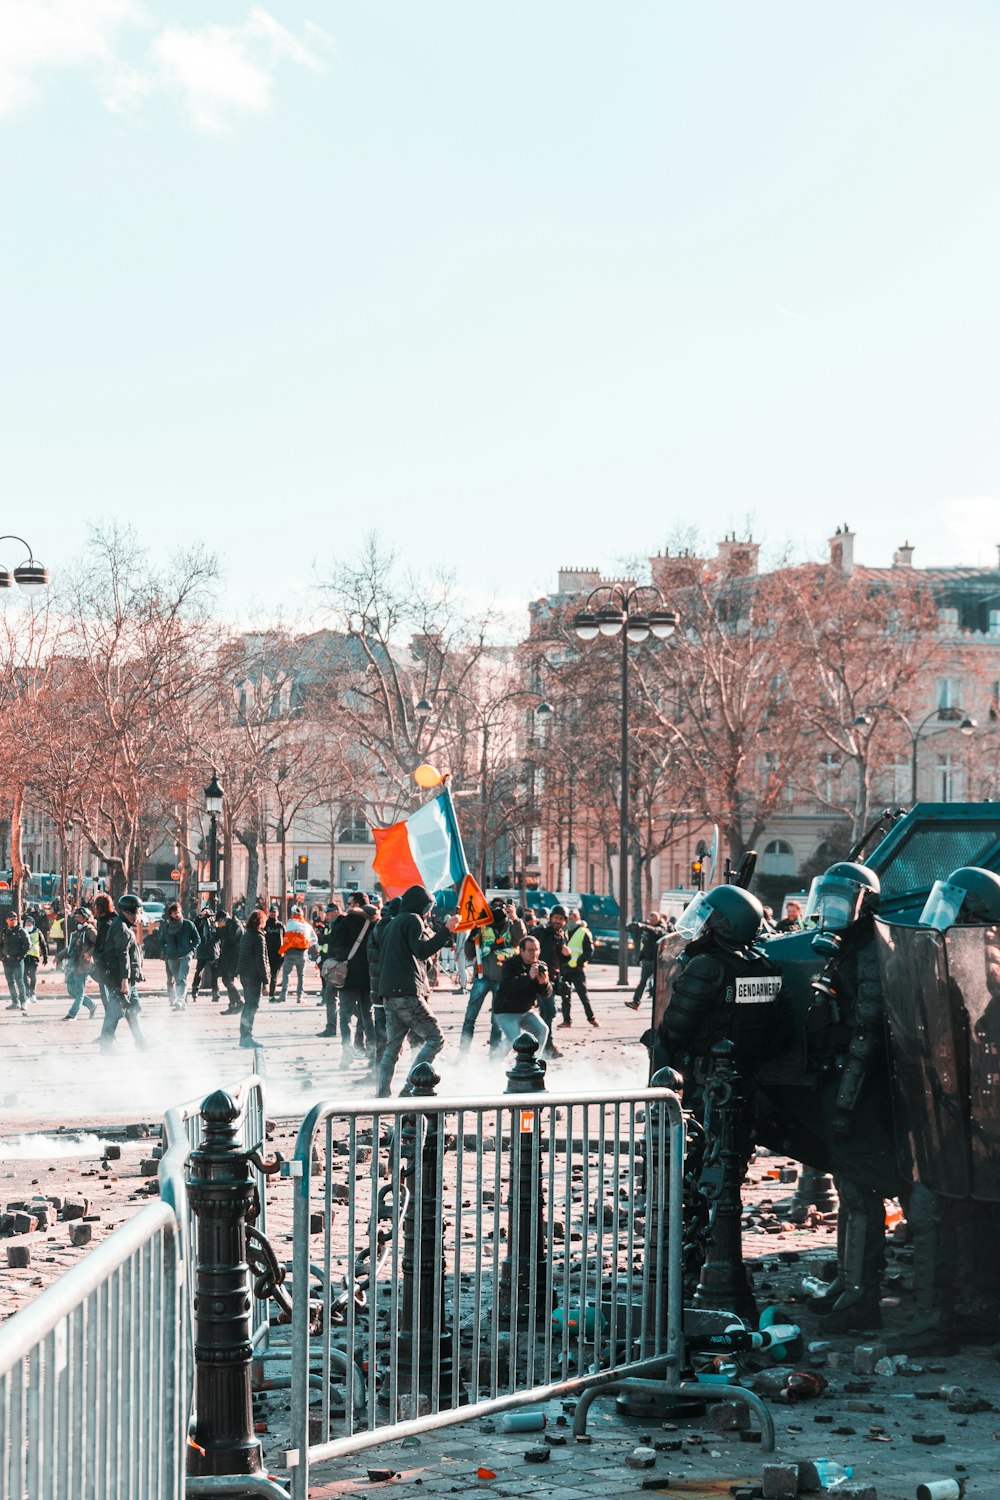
834, 904
695, 915
943, 905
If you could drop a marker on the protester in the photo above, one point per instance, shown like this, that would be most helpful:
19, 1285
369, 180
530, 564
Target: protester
274, 936
79, 966
179, 939
375, 940
347, 944
14, 945
252, 966
408, 943
488, 947
524, 982
116, 956
299, 939
38, 952
230, 931
574, 973
207, 956
648, 934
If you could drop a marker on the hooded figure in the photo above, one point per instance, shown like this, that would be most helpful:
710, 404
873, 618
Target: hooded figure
404, 983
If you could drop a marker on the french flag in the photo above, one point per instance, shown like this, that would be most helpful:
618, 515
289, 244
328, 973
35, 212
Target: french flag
425, 849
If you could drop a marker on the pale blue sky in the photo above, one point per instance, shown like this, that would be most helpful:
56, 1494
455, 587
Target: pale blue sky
515, 283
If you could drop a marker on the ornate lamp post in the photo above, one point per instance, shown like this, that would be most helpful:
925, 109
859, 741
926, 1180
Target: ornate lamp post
30, 574
213, 806
622, 613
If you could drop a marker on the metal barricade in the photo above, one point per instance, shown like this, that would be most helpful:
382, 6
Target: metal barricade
473, 1255
92, 1374
181, 1132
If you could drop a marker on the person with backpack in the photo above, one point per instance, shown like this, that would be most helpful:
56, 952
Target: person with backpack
179, 939
299, 940
38, 952
207, 956
346, 947
79, 964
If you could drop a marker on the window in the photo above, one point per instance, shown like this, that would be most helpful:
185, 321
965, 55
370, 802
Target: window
948, 778
354, 827
949, 692
994, 622
947, 619
777, 859
829, 775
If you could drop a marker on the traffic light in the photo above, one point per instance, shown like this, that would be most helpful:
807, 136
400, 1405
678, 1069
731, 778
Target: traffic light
302, 867
698, 874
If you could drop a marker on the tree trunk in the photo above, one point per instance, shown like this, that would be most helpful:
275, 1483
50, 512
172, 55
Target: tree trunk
16, 846
283, 872
185, 895
226, 894
251, 844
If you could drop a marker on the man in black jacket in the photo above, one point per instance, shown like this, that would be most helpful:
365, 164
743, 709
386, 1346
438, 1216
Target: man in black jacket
347, 943
116, 957
230, 931
648, 935
274, 932
524, 985
375, 937
404, 981
14, 945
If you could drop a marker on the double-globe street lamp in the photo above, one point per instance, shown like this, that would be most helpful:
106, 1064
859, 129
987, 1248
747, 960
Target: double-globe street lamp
31, 574
610, 610
868, 719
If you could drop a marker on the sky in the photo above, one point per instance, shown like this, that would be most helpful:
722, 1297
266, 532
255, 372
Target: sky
514, 284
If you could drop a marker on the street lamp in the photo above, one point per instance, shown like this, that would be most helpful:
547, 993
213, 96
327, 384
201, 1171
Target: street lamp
868, 719
30, 574
621, 612
213, 806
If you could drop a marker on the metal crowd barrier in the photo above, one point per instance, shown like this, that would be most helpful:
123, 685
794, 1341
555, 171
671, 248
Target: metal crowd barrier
181, 1132
93, 1374
465, 1256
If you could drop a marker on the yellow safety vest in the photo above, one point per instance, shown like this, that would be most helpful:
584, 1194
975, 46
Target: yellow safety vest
575, 945
34, 950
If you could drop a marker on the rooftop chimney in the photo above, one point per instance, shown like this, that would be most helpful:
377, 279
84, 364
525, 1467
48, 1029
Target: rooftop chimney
738, 556
578, 580
903, 558
842, 550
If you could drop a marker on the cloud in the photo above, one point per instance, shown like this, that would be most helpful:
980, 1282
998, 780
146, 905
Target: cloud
215, 72
39, 36
221, 71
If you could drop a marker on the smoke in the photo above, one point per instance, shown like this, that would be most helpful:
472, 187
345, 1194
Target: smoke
49, 1147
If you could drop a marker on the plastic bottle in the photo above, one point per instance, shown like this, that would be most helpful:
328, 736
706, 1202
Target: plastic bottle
831, 1474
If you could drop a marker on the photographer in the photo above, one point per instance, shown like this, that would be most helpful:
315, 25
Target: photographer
524, 985
646, 936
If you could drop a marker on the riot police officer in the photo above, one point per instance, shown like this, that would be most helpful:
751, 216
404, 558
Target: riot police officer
945, 1232
846, 1050
724, 988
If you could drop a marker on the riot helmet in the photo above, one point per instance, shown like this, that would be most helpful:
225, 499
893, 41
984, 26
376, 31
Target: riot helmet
727, 912
970, 897
130, 905
837, 899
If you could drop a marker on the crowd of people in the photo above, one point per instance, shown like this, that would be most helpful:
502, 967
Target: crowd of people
378, 965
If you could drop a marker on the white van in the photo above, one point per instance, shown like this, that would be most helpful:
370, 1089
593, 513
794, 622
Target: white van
672, 903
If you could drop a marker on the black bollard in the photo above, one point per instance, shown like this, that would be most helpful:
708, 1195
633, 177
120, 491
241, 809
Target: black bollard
724, 1282
421, 1318
525, 1196
220, 1192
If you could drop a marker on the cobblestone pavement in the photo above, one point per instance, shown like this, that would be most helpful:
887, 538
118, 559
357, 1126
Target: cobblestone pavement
59, 1096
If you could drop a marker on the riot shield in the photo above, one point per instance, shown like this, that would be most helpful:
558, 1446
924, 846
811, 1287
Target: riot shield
668, 952
974, 972
929, 1057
